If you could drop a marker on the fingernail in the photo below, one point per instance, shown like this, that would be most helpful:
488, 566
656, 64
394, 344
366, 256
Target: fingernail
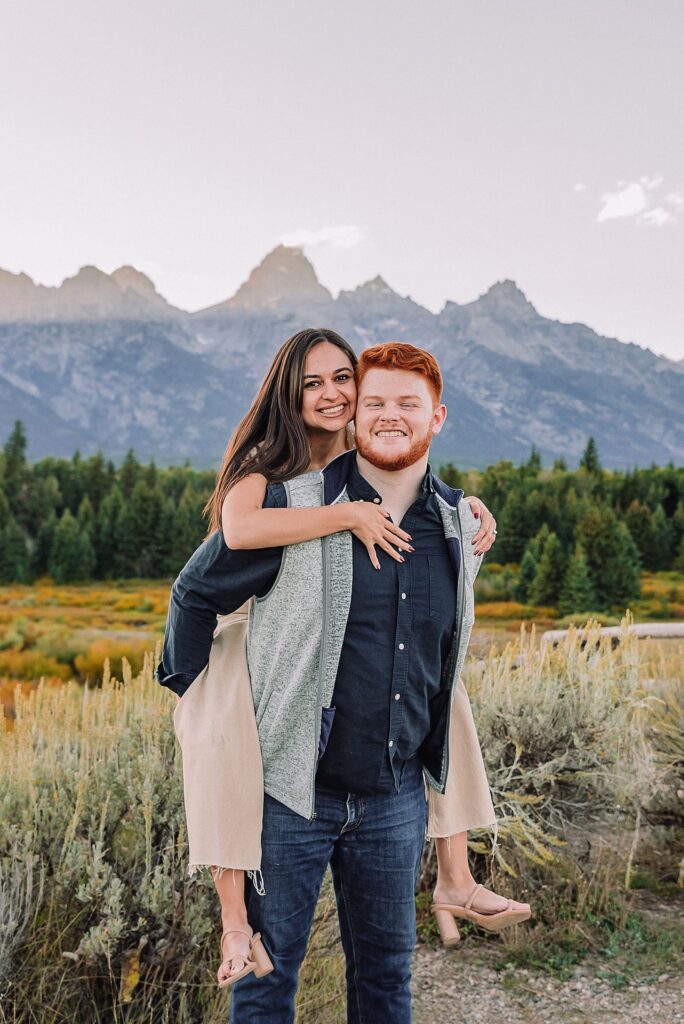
401, 559
411, 548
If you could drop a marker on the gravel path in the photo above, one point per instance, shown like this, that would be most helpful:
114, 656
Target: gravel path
455, 987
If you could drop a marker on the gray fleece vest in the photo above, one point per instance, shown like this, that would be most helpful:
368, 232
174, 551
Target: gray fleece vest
294, 643
295, 638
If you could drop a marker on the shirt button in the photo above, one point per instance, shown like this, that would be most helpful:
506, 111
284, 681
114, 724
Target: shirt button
397, 696
403, 597
377, 500
391, 743
401, 647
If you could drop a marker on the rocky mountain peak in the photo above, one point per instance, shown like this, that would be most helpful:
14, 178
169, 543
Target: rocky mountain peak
378, 284
285, 277
505, 298
16, 293
88, 282
128, 277
371, 292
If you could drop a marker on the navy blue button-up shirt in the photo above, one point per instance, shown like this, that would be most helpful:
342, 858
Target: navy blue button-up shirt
398, 635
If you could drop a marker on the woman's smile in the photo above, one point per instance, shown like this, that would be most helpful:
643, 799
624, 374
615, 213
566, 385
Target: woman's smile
333, 410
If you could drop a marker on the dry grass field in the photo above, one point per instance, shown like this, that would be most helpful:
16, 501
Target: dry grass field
99, 922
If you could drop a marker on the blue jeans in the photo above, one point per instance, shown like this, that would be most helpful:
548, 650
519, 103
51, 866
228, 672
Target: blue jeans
373, 845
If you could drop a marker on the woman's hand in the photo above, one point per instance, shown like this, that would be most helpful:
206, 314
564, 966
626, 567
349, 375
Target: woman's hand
372, 526
486, 535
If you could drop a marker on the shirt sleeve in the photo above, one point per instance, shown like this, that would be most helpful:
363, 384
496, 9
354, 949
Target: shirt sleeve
215, 581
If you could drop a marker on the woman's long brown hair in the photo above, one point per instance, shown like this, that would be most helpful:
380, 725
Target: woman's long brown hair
272, 439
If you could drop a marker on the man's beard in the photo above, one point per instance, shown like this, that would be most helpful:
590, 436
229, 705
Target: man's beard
391, 460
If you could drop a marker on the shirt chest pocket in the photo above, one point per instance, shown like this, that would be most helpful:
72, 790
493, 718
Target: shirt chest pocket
434, 589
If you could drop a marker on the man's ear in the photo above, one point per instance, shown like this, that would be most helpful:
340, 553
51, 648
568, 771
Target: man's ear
438, 418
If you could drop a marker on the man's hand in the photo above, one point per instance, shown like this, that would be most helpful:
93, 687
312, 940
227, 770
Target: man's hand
486, 535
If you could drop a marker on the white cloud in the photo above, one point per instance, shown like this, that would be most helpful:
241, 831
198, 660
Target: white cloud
339, 236
642, 201
626, 203
657, 216
580, 186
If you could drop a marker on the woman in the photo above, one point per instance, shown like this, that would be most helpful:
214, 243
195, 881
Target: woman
300, 421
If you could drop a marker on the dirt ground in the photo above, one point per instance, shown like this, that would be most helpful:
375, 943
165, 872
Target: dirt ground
457, 986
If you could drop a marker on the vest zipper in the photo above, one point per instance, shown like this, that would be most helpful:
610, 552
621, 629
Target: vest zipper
321, 664
460, 607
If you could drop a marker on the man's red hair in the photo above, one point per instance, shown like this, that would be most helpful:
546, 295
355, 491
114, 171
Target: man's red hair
396, 355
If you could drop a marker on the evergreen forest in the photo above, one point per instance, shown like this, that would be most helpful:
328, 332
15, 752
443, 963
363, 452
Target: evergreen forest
576, 539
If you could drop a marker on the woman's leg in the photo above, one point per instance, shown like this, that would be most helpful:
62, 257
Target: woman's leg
454, 878
230, 886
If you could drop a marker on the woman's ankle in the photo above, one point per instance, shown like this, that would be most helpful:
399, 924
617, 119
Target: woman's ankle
234, 918
454, 880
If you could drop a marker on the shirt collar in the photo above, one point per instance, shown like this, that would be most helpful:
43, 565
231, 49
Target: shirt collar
359, 489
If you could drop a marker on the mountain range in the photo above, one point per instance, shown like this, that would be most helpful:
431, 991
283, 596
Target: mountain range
105, 362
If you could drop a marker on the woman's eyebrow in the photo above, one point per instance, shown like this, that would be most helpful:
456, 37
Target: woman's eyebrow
317, 375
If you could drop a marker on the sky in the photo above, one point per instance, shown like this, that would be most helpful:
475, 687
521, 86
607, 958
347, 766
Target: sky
444, 145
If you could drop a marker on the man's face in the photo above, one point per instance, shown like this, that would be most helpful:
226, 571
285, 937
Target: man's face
396, 418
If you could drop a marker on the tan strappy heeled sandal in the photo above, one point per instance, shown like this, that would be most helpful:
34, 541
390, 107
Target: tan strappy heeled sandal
445, 913
257, 960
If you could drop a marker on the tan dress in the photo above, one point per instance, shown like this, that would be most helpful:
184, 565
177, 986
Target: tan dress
222, 772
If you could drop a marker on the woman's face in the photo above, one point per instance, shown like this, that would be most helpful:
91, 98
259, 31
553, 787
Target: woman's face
329, 388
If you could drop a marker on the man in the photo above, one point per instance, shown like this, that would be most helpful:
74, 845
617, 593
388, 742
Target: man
353, 672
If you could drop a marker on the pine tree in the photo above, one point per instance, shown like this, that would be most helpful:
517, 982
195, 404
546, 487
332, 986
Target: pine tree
40, 561
146, 506
612, 557
187, 530
577, 593
43, 498
513, 529
536, 545
129, 474
86, 518
624, 579
125, 563
14, 558
5, 514
72, 557
97, 480
16, 468
528, 570
548, 580
662, 541
677, 523
151, 475
534, 464
72, 483
590, 458
105, 533
639, 520
452, 476
678, 565
560, 465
